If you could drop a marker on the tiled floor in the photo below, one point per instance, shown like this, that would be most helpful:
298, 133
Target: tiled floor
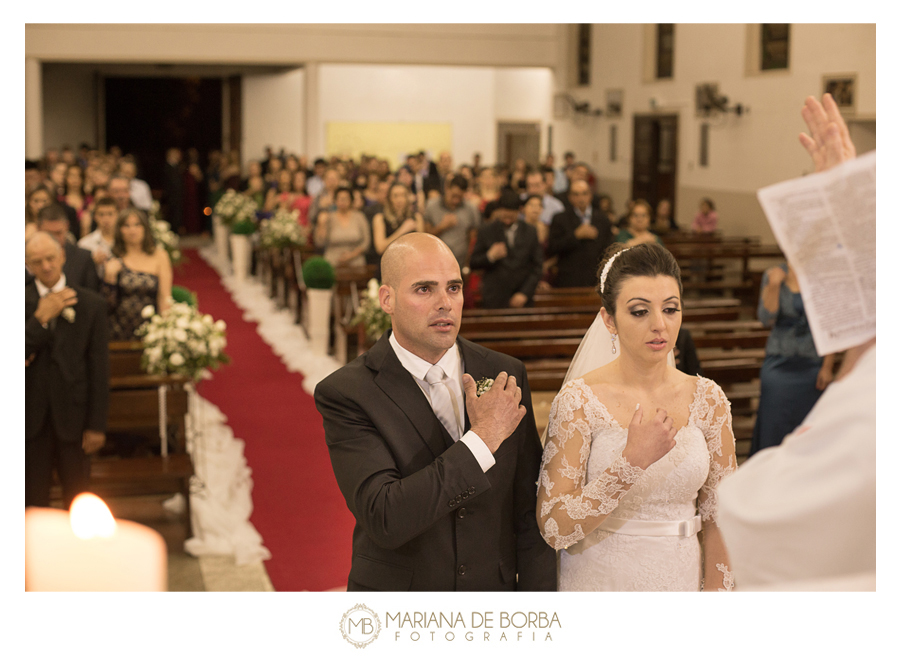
187, 573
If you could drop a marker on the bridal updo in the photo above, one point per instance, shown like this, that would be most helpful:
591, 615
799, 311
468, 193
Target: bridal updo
647, 259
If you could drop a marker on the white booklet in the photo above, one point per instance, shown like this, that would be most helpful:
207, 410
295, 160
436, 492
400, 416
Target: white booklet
825, 225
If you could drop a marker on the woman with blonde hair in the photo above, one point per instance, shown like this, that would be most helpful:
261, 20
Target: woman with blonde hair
398, 218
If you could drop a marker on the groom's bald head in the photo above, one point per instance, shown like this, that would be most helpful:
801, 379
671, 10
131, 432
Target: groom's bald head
403, 252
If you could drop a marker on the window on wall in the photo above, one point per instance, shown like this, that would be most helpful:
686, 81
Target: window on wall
665, 49
774, 46
584, 54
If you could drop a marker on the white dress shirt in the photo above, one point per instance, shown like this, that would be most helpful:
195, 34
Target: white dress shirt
44, 290
451, 364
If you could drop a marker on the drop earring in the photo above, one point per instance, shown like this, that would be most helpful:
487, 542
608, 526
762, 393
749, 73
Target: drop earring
613, 337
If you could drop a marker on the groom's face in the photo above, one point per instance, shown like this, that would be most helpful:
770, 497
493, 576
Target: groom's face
426, 305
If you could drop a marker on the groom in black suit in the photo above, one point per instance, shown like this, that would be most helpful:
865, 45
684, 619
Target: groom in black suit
442, 485
66, 375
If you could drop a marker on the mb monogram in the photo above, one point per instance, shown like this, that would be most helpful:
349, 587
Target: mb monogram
360, 625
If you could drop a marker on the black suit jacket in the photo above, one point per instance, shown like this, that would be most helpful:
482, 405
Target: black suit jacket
577, 259
69, 377
427, 517
79, 269
520, 271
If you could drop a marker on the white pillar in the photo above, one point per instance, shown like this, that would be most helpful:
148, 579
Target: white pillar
314, 145
34, 110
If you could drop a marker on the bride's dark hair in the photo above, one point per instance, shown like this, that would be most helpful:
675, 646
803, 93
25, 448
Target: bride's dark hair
647, 259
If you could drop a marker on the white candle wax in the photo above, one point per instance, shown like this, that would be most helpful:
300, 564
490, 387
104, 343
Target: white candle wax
131, 559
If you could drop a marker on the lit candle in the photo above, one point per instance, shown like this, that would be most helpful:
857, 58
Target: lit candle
87, 550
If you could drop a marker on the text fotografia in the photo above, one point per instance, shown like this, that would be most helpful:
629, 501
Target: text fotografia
478, 626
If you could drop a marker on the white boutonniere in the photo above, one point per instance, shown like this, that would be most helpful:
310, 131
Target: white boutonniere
483, 385
68, 314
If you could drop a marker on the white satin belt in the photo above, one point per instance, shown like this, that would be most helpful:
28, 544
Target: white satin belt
687, 528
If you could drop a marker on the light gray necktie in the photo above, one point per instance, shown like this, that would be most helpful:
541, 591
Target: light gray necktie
443, 401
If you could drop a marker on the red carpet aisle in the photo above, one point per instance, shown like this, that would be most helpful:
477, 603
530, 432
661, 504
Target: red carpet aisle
298, 508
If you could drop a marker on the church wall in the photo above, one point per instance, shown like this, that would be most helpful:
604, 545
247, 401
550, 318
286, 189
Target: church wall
746, 152
69, 106
273, 113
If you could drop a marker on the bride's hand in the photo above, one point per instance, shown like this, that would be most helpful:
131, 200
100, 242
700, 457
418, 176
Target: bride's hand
649, 442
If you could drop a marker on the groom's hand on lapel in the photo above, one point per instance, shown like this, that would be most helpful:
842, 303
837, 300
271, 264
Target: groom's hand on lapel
496, 414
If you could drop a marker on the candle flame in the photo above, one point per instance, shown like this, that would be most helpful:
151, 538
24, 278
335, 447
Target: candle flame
90, 517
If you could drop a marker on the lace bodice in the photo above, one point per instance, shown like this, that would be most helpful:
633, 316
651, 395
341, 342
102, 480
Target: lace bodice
584, 478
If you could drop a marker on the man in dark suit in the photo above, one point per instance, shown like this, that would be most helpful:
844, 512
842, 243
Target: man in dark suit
508, 251
442, 485
66, 375
578, 237
79, 265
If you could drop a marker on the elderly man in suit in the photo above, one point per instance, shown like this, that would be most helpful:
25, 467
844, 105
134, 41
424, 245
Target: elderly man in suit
66, 375
508, 251
79, 265
441, 482
578, 237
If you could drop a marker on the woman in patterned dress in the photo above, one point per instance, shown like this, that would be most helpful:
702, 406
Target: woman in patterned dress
139, 276
635, 448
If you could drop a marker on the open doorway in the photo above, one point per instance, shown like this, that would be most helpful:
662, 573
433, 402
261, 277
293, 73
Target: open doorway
655, 161
518, 140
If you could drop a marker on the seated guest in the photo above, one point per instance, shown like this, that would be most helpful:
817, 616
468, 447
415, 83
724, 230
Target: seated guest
637, 229
397, 218
578, 237
343, 233
509, 252
79, 267
140, 275
101, 241
664, 220
706, 220
452, 219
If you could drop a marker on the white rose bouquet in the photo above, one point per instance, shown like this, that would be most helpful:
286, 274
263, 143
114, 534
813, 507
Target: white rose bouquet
282, 230
235, 207
370, 314
183, 341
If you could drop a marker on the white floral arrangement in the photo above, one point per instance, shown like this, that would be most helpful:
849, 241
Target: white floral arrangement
182, 341
370, 313
282, 230
164, 235
483, 385
235, 207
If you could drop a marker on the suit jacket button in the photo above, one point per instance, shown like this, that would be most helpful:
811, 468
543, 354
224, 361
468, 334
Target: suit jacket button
471, 490
461, 570
465, 494
452, 503
461, 513
459, 498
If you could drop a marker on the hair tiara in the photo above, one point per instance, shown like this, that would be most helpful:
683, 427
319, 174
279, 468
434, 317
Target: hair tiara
607, 267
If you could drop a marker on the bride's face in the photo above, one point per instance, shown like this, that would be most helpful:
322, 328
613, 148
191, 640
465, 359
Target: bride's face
648, 316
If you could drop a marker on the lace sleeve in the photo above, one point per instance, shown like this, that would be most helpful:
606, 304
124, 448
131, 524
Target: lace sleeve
715, 422
569, 507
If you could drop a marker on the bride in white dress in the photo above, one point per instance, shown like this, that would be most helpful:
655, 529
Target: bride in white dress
635, 449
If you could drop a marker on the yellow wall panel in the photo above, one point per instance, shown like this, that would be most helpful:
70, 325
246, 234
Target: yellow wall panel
385, 139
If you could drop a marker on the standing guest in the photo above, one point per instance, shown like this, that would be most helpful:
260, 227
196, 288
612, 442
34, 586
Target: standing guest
33, 176
578, 238
406, 177
66, 375
301, 200
140, 275
280, 196
509, 252
256, 190
637, 229
664, 220
119, 190
561, 183
316, 182
56, 180
397, 218
532, 213
193, 194
440, 480
324, 202
37, 199
343, 233
488, 188
535, 185
139, 190
706, 220
75, 198
101, 241
173, 189
79, 266
453, 220
605, 205
793, 375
